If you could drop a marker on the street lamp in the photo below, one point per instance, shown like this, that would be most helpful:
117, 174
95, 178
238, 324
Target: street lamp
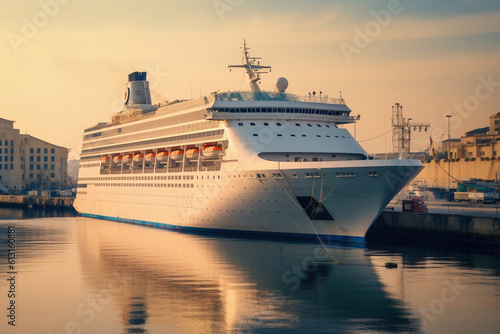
449, 152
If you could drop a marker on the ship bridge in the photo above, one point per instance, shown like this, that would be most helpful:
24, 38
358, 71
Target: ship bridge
278, 105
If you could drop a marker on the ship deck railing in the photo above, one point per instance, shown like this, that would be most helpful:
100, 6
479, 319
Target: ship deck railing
276, 96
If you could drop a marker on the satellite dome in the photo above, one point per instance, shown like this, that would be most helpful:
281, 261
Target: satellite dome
281, 84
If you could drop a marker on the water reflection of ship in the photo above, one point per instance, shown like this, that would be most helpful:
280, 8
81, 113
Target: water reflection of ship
188, 283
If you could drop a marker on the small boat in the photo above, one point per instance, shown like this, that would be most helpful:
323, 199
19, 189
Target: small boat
117, 159
150, 157
177, 155
193, 153
105, 159
162, 156
211, 151
138, 157
127, 158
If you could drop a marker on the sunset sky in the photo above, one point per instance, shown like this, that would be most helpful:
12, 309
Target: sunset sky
64, 63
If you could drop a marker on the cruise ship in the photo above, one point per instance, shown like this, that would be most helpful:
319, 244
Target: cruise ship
260, 163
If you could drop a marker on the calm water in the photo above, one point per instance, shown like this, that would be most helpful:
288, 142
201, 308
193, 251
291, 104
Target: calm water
80, 275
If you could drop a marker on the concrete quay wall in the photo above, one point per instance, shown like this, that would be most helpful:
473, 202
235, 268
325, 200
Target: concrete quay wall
14, 201
436, 227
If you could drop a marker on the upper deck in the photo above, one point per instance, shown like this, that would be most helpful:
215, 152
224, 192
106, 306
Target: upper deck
278, 105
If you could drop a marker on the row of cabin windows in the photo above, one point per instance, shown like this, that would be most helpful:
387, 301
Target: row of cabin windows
7, 143
279, 124
7, 158
6, 151
281, 110
38, 150
293, 135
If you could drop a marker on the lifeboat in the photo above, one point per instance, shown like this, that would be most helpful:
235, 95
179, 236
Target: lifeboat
192, 153
177, 155
117, 159
105, 159
127, 158
150, 157
138, 157
162, 156
211, 151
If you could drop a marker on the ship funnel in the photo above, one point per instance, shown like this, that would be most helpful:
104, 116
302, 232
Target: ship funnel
138, 94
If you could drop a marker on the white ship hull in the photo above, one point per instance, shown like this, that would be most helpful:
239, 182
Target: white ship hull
239, 202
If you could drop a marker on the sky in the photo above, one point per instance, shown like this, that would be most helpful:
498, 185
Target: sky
64, 63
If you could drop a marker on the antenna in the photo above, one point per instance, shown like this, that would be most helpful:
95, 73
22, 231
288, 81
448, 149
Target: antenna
254, 70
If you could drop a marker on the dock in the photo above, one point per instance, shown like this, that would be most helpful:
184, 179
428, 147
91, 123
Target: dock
436, 227
28, 202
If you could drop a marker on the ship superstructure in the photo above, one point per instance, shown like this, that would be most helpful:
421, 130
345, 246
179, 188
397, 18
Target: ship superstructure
257, 162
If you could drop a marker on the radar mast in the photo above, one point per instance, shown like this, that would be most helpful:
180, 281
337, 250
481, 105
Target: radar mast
252, 68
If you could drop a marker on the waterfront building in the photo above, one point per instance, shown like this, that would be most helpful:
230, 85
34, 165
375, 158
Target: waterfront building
481, 142
29, 163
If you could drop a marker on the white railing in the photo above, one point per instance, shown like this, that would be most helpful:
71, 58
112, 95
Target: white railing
321, 99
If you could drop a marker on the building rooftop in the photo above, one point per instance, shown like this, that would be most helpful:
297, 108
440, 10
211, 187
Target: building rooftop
452, 140
477, 131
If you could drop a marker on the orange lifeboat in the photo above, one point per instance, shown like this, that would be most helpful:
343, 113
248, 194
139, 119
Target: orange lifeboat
192, 153
105, 159
150, 157
177, 155
162, 156
211, 151
127, 158
117, 159
138, 157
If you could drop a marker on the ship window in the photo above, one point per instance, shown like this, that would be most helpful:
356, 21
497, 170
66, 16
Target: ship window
318, 135
304, 136
266, 124
343, 136
279, 135
255, 135
319, 125
309, 125
297, 124
240, 124
252, 124
292, 135
327, 125
278, 124
336, 136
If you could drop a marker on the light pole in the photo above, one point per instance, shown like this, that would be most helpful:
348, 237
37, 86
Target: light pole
409, 138
449, 153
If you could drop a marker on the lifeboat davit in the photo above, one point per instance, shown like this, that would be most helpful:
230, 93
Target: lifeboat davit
127, 158
162, 156
117, 159
211, 151
192, 153
150, 157
177, 155
105, 159
138, 157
